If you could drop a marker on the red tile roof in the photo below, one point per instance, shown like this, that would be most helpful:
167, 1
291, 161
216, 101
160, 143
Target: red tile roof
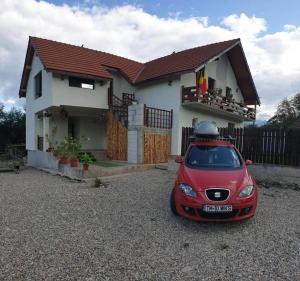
186, 60
65, 58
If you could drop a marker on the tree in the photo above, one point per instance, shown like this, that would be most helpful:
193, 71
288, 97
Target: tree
12, 126
296, 102
285, 113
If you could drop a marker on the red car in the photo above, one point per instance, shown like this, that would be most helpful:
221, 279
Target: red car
213, 183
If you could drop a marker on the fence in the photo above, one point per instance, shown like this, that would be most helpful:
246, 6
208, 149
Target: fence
158, 118
261, 145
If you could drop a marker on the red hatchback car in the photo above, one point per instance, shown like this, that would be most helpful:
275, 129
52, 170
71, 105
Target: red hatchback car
213, 183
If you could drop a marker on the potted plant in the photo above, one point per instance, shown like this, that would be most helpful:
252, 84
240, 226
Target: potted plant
62, 154
230, 98
86, 160
73, 147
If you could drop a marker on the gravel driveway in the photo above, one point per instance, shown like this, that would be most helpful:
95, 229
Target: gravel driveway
55, 229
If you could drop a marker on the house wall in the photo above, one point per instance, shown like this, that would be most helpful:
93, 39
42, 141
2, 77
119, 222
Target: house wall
121, 85
63, 94
56, 92
92, 133
34, 105
222, 72
163, 96
58, 129
89, 130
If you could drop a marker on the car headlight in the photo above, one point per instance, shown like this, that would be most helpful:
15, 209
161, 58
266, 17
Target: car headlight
187, 190
246, 191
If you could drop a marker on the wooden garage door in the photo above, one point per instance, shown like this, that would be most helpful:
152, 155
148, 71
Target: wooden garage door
156, 148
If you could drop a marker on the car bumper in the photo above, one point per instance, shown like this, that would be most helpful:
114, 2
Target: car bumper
192, 208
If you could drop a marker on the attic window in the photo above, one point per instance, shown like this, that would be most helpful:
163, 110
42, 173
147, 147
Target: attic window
81, 83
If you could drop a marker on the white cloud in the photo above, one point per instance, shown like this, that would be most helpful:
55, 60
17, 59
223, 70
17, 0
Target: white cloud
131, 32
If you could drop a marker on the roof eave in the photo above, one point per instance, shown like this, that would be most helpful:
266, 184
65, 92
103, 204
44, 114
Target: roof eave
83, 75
251, 78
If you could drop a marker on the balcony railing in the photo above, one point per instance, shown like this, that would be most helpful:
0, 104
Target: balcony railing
191, 94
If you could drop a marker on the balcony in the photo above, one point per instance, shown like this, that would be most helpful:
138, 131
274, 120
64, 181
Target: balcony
219, 105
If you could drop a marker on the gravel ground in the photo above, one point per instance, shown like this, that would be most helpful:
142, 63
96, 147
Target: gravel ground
55, 229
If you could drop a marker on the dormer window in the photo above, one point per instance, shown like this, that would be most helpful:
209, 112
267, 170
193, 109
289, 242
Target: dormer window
38, 85
83, 83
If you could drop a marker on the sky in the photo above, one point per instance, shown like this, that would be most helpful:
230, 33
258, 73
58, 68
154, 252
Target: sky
143, 30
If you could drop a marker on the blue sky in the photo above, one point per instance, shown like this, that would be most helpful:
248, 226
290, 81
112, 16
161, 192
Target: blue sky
276, 12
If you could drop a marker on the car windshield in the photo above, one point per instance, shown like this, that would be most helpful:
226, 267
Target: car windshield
213, 157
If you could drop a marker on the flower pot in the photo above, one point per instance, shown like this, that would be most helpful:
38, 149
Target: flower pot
85, 166
74, 162
63, 160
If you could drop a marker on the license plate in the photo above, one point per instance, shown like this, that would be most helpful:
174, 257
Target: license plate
217, 208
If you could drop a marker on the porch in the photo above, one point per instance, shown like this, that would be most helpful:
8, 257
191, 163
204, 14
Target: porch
85, 124
219, 105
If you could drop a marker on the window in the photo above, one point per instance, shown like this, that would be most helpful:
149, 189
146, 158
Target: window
38, 85
81, 83
211, 83
213, 157
228, 91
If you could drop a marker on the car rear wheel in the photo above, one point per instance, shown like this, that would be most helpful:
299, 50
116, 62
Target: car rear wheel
172, 204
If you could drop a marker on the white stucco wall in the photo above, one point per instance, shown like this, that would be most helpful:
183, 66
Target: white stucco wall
121, 85
58, 129
89, 130
34, 105
187, 116
163, 96
63, 94
222, 72
92, 133
56, 92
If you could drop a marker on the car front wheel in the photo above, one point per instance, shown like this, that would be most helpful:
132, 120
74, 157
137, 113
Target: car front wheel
172, 204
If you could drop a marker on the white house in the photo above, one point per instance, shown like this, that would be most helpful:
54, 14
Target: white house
70, 90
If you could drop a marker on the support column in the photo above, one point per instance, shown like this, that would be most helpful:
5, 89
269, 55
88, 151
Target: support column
45, 131
135, 147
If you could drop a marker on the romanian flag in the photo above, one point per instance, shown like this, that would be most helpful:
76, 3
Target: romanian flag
203, 80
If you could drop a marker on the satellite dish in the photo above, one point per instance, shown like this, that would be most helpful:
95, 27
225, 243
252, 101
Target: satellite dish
206, 129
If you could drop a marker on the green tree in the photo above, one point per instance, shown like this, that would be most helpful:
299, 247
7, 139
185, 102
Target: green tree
12, 126
285, 113
296, 102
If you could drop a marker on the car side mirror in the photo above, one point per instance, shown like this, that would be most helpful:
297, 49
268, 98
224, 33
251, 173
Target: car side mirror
179, 159
248, 162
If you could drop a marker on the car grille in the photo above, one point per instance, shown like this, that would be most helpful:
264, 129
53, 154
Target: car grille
217, 216
217, 194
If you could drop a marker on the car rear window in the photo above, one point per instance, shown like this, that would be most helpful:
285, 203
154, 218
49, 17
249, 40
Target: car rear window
213, 157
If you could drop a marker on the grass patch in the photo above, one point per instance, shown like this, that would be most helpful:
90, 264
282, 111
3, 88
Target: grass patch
106, 164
